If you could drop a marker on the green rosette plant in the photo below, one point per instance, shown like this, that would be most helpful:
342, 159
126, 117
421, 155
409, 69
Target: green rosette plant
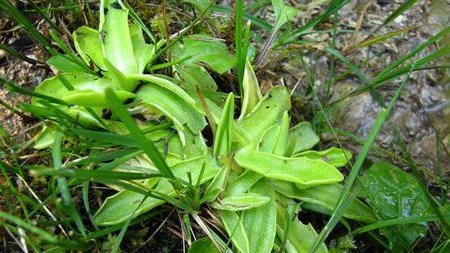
252, 177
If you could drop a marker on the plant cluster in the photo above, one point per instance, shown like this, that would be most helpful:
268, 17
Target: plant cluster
238, 174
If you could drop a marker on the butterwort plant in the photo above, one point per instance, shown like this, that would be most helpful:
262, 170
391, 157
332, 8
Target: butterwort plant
253, 172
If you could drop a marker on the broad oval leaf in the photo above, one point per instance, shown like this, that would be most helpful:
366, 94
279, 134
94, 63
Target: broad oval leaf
88, 44
180, 111
393, 193
268, 112
115, 33
302, 170
302, 137
241, 202
203, 245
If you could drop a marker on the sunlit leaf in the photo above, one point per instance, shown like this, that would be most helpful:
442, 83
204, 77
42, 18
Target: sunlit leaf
334, 156
203, 245
261, 223
251, 92
303, 137
235, 230
302, 170
223, 138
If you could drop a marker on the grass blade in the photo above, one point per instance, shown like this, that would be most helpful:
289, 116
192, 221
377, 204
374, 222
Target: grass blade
147, 145
57, 158
345, 199
404, 7
9, 8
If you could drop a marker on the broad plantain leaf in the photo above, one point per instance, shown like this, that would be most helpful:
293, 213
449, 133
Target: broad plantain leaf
393, 193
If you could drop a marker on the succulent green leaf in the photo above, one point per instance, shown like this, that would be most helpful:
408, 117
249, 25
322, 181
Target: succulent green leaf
180, 111
118, 208
89, 46
236, 231
275, 138
268, 112
206, 49
143, 52
334, 156
223, 137
300, 237
116, 38
326, 196
241, 202
251, 92
216, 186
394, 193
45, 138
243, 183
302, 170
303, 137
87, 90
261, 223
203, 245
